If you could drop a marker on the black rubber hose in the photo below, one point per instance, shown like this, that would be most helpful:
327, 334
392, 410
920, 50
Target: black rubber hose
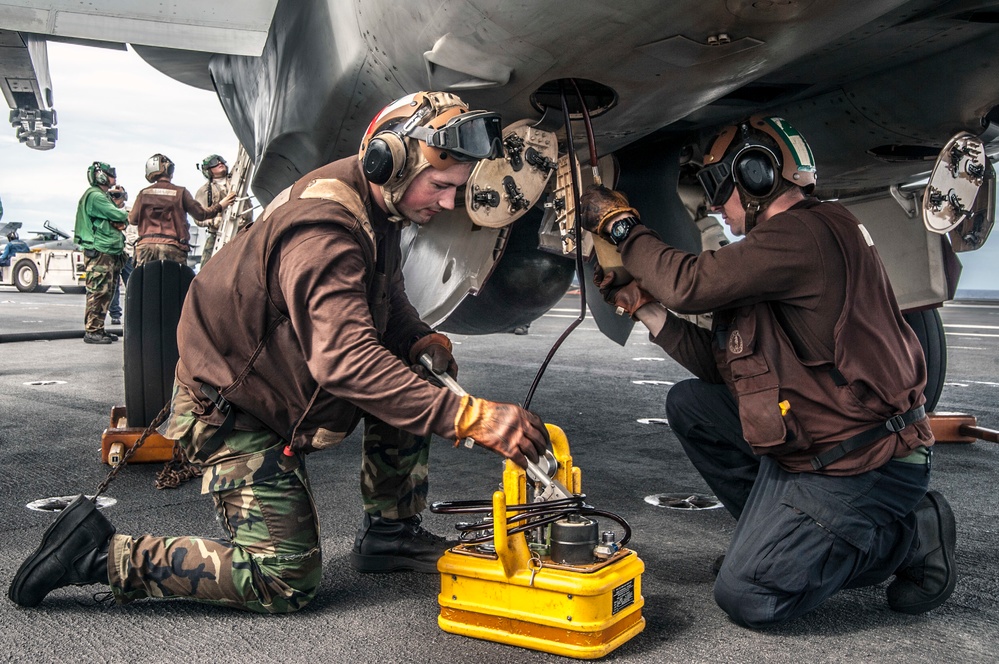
49, 335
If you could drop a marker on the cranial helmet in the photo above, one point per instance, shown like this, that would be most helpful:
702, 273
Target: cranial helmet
423, 130
11, 236
210, 162
157, 166
99, 174
762, 158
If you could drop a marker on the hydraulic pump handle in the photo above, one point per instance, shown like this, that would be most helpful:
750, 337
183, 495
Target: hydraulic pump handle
533, 468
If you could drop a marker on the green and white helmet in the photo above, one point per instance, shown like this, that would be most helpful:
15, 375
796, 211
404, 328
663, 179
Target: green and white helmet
210, 162
100, 174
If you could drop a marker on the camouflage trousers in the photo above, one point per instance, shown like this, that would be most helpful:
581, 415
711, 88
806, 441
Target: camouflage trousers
270, 560
394, 470
145, 253
208, 250
103, 271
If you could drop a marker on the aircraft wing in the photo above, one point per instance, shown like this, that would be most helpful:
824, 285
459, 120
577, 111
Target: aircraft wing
189, 30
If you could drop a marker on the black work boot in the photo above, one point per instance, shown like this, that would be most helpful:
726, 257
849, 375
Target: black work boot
73, 552
387, 545
928, 579
96, 338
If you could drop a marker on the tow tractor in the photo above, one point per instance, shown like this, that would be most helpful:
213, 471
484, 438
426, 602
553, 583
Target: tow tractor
52, 261
40, 269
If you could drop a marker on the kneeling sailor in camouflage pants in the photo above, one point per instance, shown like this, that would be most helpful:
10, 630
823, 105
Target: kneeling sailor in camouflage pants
320, 336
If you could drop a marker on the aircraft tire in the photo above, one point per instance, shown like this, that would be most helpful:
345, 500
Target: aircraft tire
153, 300
25, 276
929, 329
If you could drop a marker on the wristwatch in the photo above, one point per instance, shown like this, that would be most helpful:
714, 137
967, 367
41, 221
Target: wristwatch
620, 229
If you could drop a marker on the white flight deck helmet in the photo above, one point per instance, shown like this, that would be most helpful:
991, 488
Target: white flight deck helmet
762, 157
157, 166
423, 130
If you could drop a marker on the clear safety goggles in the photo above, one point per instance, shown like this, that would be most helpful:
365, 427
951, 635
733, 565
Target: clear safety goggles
717, 181
469, 136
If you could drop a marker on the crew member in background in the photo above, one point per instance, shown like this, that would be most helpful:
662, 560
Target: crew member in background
14, 246
321, 335
160, 211
119, 197
98, 233
806, 417
216, 171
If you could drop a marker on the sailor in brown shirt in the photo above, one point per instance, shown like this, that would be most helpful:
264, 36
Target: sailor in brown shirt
288, 338
806, 417
160, 211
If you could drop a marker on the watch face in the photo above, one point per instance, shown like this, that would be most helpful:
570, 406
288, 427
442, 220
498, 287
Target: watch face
619, 230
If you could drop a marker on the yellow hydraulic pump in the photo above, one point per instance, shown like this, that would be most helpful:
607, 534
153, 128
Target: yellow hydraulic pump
537, 572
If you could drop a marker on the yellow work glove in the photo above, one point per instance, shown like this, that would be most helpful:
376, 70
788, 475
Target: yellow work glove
504, 428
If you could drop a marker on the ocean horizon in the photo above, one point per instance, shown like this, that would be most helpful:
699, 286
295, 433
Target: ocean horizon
976, 294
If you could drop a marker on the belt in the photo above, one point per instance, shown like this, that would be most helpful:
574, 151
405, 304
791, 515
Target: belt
215, 441
891, 425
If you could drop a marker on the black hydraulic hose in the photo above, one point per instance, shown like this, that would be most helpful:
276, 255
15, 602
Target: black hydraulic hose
577, 234
486, 506
51, 335
534, 515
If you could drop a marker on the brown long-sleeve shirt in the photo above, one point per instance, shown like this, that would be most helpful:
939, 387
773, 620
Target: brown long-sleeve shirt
160, 211
805, 317
292, 324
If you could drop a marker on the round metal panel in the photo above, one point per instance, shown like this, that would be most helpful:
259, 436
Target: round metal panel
59, 503
957, 176
683, 501
500, 191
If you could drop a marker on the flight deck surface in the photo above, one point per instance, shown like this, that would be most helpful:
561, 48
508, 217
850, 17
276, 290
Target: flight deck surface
56, 399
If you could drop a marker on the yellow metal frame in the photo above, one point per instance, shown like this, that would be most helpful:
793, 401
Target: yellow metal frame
511, 597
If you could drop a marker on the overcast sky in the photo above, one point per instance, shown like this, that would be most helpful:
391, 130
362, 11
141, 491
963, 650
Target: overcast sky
113, 107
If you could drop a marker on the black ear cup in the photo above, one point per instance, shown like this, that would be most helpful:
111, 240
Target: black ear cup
755, 169
384, 156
